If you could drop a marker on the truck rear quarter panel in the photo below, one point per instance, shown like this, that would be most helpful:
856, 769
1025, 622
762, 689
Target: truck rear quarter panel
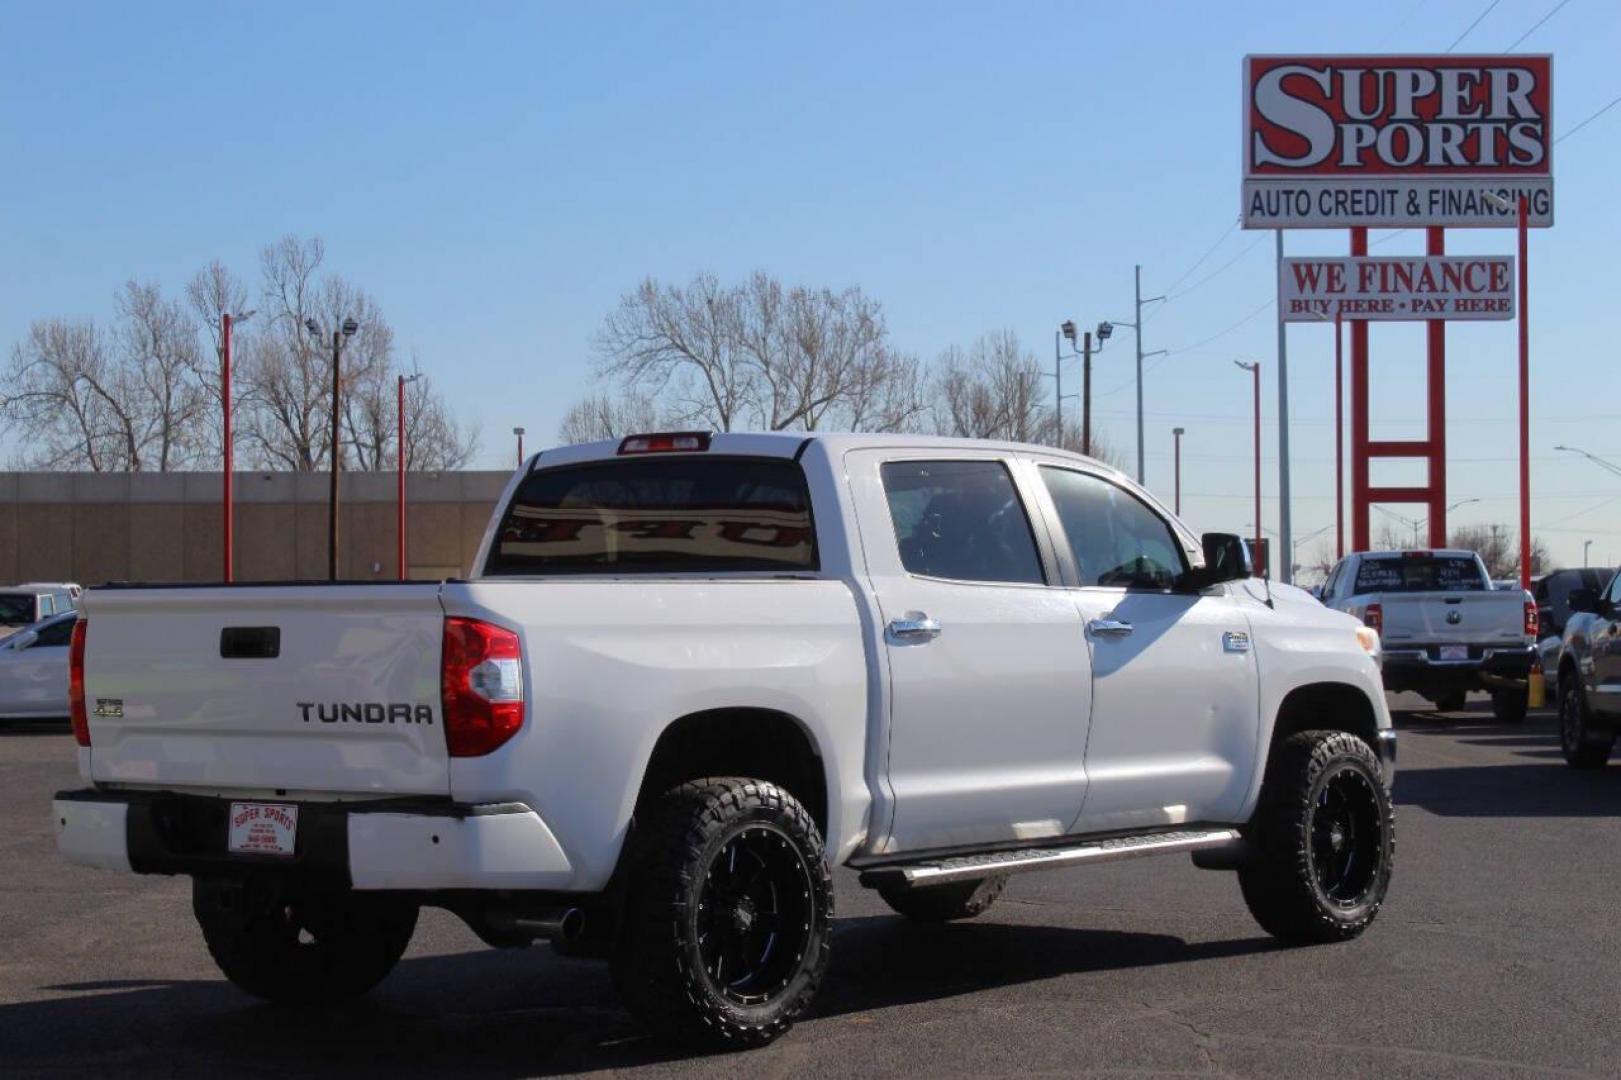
610, 663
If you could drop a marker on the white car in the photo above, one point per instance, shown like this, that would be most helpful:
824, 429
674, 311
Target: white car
692, 673
34, 670
24, 605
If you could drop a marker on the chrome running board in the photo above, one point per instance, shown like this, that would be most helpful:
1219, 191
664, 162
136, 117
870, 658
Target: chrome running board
966, 867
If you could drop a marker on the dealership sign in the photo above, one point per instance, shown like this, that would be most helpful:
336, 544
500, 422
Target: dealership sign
1397, 288
1397, 141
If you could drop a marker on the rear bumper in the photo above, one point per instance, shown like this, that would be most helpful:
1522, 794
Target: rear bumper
395, 844
1500, 669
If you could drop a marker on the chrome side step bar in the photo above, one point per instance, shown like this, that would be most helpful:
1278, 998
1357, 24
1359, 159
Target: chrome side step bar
966, 867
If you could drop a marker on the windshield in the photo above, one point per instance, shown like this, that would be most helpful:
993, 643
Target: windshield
16, 609
1421, 573
658, 515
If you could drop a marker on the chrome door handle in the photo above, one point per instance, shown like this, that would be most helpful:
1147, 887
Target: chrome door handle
916, 626
1108, 628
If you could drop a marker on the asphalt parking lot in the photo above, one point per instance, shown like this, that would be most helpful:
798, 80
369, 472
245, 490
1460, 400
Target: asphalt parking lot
1498, 954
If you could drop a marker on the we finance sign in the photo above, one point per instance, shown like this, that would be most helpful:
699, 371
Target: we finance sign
1396, 288
1397, 141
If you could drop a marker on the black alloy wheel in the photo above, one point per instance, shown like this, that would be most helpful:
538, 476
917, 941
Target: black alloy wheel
1345, 837
754, 915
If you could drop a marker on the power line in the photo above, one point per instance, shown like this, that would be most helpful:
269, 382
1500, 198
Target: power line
1602, 110
1538, 24
1222, 239
1471, 27
1219, 270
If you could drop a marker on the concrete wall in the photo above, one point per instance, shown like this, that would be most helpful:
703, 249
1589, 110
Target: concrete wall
96, 527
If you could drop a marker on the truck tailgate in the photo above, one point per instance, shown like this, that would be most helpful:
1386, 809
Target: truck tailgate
291, 688
1495, 617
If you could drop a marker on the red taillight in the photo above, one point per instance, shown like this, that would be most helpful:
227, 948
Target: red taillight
81, 718
480, 686
665, 442
1373, 617
1533, 621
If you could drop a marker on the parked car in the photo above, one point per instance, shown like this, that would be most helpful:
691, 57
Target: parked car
1445, 630
1552, 592
24, 605
691, 673
34, 670
73, 589
1589, 678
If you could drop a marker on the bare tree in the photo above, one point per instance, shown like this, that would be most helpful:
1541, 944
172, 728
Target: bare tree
433, 438
994, 391
212, 292
161, 406
606, 416
54, 393
1499, 549
681, 344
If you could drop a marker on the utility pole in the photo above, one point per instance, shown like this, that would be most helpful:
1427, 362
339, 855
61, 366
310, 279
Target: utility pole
1283, 430
1058, 384
399, 471
1176, 435
1086, 394
1137, 328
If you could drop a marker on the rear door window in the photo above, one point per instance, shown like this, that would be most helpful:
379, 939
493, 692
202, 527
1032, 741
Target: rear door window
651, 515
961, 520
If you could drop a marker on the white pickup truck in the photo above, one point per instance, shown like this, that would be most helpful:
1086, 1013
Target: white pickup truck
692, 673
1444, 629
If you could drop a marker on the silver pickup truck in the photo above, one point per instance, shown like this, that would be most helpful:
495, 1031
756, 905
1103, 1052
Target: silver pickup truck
1444, 629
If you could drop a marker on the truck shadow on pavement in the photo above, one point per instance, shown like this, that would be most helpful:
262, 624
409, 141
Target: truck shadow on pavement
1536, 784
527, 1012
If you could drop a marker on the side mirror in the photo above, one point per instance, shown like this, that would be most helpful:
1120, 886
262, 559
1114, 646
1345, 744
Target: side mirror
1585, 600
1226, 558
23, 639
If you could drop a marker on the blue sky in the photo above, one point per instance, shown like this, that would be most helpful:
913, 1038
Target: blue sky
497, 174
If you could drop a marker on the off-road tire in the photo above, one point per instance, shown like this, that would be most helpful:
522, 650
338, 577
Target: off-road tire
1309, 776
1509, 706
659, 965
1451, 703
301, 950
1583, 747
943, 903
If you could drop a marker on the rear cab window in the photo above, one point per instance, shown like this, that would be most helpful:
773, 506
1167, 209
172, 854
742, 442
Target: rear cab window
1420, 572
658, 515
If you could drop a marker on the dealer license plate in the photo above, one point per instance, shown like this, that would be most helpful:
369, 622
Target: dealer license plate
263, 828
1454, 652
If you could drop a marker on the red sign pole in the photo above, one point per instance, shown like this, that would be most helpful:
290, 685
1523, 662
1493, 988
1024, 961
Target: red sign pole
1436, 334
225, 438
1361, 534
1525, 401
1339, 439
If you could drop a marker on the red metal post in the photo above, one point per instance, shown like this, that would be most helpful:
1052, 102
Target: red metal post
1339, 440
1436, 334
1525, 401
1360, 507
225, 438
399, 470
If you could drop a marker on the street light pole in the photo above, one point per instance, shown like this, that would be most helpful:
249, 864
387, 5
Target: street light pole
1137, 333
1176, 454
399, 500
1585, 545
347, 330
227, 444
1255, 370
518, 431
225, 399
